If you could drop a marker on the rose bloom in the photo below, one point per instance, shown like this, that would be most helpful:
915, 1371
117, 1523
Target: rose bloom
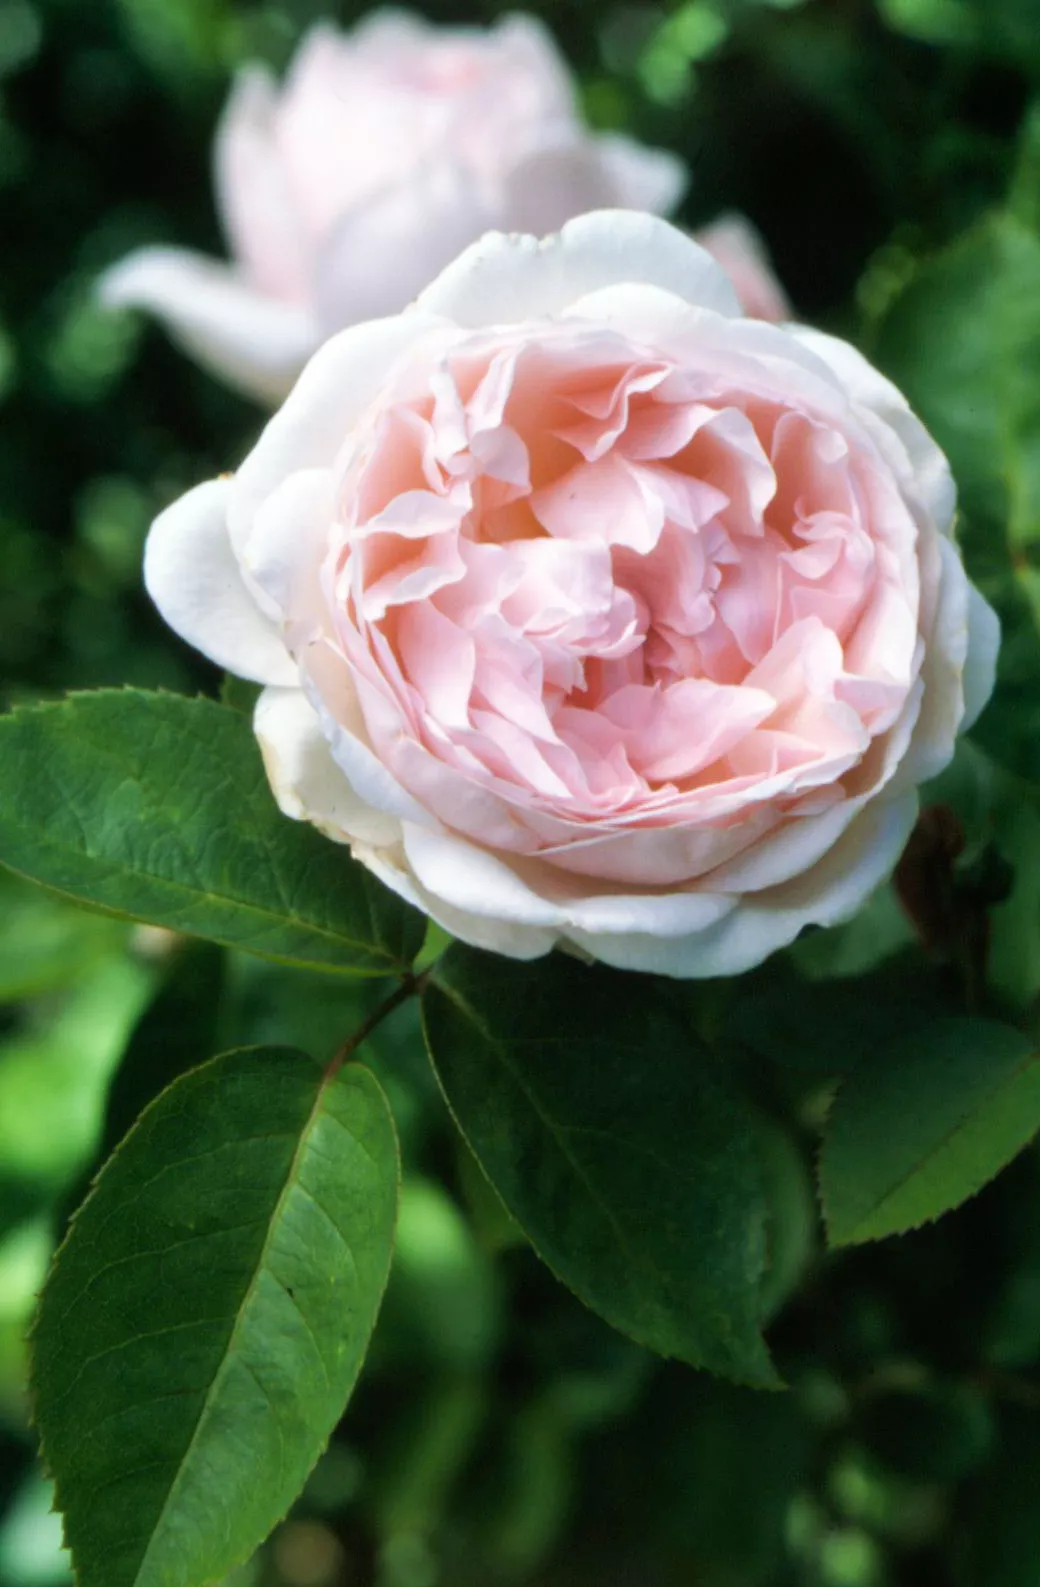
385, 152
590, 612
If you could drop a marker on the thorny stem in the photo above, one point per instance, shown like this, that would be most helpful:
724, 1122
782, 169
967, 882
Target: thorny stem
411, 986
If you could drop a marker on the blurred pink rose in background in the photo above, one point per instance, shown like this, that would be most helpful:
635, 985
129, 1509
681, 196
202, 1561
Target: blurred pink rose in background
738, 248
385, 152
591, 612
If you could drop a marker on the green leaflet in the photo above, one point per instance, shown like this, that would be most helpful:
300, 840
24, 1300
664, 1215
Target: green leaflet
617, 1142
208, 1314
925, 1124
979, 391
157, 807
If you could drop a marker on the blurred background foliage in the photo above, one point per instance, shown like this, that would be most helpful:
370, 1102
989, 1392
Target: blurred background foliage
889, 150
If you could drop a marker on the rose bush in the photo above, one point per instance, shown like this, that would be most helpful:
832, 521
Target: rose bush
590, 612
383, 154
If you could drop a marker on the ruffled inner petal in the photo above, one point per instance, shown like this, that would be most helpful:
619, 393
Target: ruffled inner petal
603, 610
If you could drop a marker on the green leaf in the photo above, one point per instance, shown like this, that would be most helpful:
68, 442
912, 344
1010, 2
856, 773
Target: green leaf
979, 391
617, 1142
208, 1314
824, 1028
157, 807
925, 1125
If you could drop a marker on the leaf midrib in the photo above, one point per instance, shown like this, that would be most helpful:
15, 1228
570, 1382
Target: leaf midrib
638, 1259
247, 1299
32, 838
226, 900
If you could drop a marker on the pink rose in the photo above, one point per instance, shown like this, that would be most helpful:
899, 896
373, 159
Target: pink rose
735, 244
383, 154
590, 612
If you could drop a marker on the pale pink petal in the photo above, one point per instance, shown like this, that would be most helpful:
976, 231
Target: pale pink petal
472, 881
739, 249
253, 194
641, 178
923, 464
673, 733
385, 247
548, 185
308, 430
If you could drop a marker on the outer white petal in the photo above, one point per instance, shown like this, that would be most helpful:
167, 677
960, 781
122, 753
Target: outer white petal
507, 279
641, 178
869, 388
944, 673
515, 941
980, 669
342, 724
472, 881
288, 536
257, 344
311, 426
831, 891
305, 779
193, 577
788, 851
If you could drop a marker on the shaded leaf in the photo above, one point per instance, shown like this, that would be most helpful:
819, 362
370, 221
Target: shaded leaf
208, 1314
979, 391
925, 1125
616, 1141
157, 807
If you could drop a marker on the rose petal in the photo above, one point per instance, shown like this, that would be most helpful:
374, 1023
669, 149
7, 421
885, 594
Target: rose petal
508, 279
253, 193
641, 178
192, 576
257, 343
832, 891
307, 783
309, 429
